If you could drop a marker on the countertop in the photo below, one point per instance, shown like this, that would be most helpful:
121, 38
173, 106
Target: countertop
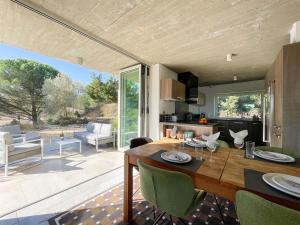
235, 119
189, 124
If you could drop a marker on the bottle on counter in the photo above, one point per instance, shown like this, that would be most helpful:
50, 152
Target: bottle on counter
202, 119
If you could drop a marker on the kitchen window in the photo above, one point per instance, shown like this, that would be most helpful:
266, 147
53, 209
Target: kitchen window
239, 105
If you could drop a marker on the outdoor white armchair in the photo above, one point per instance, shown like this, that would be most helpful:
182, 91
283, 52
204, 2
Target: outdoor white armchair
96, 134
11, 152
17, 135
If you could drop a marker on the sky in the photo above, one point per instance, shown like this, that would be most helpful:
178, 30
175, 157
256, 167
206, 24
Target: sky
76, 72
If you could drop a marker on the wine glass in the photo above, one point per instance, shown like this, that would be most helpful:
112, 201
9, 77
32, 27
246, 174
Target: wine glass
239, 143
211, 146
184, 137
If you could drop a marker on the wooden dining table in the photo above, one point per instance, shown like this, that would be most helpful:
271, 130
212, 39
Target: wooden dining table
221, 174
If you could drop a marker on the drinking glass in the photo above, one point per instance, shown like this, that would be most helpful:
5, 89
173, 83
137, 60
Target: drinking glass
250, 146
199, 152
211, 146
184, 136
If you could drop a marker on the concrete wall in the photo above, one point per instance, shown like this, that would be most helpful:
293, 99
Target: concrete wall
211, 91
156, 106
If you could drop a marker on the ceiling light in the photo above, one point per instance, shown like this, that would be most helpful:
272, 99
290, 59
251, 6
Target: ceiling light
229, 57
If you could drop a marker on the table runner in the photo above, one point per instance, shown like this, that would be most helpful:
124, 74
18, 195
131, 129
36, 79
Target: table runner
193, 165
254, 182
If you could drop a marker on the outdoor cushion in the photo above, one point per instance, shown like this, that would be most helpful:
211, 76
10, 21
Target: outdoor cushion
32, 136
90, 127
106, 129
12, 129
6, 139
97, 128
24, 147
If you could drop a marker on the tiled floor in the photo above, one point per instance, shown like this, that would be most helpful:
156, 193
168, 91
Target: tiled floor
107, 209
58, 183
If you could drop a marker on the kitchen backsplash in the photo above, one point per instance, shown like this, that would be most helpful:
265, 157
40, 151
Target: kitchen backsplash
195, 109
181, 108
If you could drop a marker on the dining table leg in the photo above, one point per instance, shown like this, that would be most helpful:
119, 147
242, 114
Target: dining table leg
128, 190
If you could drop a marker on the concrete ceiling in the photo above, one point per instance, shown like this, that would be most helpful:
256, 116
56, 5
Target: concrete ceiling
185, 35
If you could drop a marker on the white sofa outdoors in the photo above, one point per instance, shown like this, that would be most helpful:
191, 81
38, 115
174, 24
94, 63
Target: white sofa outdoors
97, 133
11, 152
17, 135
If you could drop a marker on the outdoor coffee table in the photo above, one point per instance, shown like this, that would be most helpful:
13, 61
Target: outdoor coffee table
65, 141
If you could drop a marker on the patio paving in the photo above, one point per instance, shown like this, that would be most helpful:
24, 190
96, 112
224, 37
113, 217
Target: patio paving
56, 184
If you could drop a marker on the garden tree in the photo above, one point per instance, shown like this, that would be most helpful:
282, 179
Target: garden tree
131, 106
111, 90
228, 104
103, 92
244, 104
94, 89
21, 87
60, 95
84, 101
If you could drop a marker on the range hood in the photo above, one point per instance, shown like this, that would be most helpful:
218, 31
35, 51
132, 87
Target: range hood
199, 100
192, 94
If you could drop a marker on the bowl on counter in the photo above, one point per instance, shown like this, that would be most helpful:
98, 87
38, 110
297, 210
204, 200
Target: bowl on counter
188, 134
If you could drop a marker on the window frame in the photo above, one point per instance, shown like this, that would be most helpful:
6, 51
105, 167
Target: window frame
261, 92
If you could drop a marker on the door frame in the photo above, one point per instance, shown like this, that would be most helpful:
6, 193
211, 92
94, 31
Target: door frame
142, 104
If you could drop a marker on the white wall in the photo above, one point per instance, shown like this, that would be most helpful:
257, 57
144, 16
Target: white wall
154, 102
156, 106
211, 91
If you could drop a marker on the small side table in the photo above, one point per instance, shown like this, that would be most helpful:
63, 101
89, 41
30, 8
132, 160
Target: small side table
66, 141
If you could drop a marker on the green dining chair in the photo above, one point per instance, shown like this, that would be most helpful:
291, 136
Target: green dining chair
292, 153
254, 210
171, 192
223, 144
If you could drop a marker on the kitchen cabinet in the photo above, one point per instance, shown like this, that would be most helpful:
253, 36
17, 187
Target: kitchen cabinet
172, 90
254, 129
284, 79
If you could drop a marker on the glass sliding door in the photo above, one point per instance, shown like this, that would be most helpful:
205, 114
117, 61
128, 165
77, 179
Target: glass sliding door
131, 104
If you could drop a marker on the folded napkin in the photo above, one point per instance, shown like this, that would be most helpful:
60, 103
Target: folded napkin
239, 136
211, 138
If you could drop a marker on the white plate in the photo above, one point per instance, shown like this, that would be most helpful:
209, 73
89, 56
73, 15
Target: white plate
268, 178
291, 183
198, 144
274, 156
176, 157
268, 154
